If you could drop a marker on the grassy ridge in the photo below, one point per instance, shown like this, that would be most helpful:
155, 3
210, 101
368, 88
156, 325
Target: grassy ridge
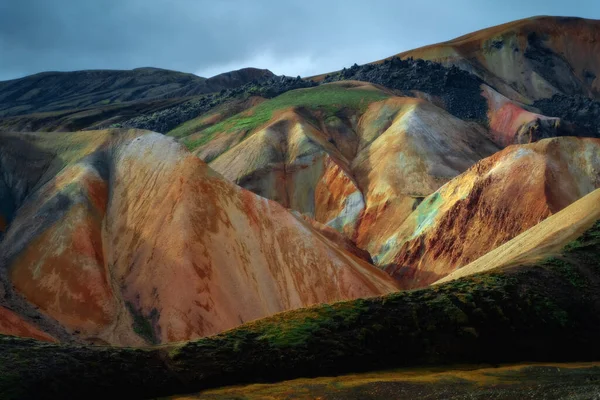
545, 312
328, 98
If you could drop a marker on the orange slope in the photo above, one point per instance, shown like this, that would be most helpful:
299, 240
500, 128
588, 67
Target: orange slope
491, 203
543, 240
139, 241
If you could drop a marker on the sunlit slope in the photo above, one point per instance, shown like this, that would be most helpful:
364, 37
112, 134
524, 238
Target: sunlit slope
491, 203
128, 238
348, 154
544, 240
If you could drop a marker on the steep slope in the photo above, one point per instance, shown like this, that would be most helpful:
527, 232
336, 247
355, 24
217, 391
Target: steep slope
123, 237
544, 240
548, 311
541, 65
348, 154
491, 203
529, 59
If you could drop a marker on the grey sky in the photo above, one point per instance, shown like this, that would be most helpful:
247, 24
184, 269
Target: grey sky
208, 37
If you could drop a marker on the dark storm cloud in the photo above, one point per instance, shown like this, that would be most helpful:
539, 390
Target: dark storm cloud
208, 37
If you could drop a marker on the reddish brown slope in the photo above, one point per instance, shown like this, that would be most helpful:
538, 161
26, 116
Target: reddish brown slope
546, 239
491, 203
136, 239
13, 325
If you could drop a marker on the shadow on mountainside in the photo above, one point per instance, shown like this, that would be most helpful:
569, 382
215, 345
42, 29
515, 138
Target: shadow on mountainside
544, 312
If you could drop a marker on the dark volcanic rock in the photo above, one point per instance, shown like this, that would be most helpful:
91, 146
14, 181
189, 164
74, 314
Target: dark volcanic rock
167, 119
551, 66
582, 112
460, 90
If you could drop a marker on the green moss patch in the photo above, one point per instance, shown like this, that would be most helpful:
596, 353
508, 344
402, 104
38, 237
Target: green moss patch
143, 325
328, 98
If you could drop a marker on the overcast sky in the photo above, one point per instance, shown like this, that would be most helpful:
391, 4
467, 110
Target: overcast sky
291, 37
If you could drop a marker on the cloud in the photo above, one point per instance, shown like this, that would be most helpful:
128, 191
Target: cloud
292, 37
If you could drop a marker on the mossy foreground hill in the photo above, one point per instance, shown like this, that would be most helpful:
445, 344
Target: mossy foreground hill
549, 311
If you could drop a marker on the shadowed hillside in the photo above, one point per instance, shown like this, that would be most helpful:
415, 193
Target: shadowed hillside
55, 91
545, 311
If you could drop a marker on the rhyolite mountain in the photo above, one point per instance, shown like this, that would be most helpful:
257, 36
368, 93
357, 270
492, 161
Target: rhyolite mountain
215, 216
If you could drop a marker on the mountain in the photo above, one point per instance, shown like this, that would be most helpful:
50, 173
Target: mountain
56, 91
545, 65
159, 115
494, 201
529, 59
124, 237
547, 310
193, 233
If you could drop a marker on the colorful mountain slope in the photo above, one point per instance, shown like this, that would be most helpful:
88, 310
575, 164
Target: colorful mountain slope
124, 237
348, 154
529, 59
545, 311
491, 203
544, 240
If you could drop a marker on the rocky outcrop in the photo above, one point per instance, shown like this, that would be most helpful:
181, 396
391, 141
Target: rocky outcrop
165, 120
459, 91
582, 112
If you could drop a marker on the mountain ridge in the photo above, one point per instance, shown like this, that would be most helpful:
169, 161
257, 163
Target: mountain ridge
253, 228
